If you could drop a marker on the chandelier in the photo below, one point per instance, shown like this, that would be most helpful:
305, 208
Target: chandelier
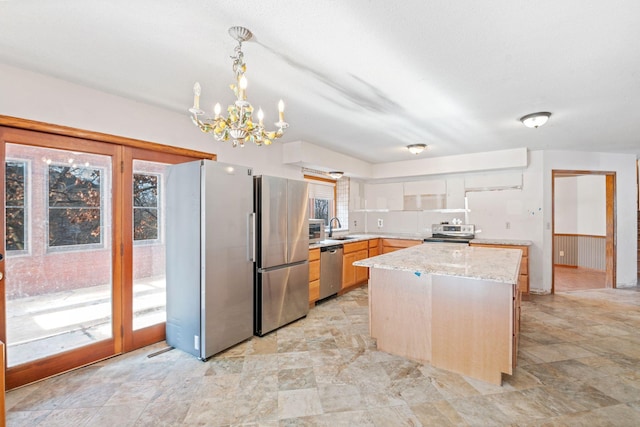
239, 125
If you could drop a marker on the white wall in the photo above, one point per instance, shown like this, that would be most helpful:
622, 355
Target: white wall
566, 205
580, 205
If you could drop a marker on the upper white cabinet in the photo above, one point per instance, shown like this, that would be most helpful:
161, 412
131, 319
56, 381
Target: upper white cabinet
356, 195
388, 196
424, 195
495, 181
455, 193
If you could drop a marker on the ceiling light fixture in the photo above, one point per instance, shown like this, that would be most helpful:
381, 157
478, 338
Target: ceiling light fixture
336, 174
535, 120
416, 148
239, 125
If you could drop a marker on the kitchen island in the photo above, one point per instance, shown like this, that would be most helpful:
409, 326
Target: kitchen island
456, 307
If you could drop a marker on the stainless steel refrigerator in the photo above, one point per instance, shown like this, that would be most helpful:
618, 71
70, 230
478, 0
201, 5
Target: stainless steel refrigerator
282, 252
209, 210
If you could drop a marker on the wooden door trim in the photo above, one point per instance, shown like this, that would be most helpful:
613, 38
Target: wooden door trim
610, 202
26, 373
53, 129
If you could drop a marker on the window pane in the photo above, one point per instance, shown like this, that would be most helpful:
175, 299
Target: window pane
145, 224
145, 207
74, 206
15, 229
14, 208
145, 190
321, 209
149, 287
74, 226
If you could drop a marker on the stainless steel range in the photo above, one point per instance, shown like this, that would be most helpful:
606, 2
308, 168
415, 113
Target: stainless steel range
451, 233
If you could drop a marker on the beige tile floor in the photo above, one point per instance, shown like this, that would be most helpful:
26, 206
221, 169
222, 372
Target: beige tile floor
579, 364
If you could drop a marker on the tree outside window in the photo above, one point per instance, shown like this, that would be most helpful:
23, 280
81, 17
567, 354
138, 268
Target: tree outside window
145, 207
75, 211
15, 205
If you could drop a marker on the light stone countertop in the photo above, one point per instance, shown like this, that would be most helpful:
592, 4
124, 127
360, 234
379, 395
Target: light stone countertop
506, 242
495, 264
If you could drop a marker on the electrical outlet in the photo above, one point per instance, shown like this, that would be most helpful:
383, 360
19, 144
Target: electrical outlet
380, 223
561, 253
508, 225
355, 222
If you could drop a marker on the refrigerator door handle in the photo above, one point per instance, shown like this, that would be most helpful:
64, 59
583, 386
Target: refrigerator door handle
251, 233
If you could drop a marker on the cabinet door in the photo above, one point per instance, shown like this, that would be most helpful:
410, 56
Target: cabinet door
361, 273
348, 270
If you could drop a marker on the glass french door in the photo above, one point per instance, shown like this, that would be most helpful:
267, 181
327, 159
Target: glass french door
145, 173
83, 262
59, 267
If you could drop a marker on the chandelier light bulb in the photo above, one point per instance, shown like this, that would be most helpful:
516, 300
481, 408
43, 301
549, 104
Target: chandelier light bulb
281, 110
260, 117
217, 109
196, 95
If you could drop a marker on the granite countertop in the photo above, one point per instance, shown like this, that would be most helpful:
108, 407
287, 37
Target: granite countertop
506, 242
366, 236
495, 264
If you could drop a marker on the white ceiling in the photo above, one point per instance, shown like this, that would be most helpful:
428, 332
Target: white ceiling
364, 78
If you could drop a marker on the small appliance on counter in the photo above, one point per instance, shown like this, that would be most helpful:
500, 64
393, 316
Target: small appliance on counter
451, 233
316, 230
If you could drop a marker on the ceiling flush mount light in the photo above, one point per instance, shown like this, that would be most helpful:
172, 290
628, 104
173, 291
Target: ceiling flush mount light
336, 174
535, 120
238, 125
416, 148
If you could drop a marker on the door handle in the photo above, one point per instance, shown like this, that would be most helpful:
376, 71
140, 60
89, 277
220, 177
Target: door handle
251, 225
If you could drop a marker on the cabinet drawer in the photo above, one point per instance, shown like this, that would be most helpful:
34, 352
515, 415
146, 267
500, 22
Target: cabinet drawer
354, 247
314, 254
314, 290
314, 270
400, 243
373, 243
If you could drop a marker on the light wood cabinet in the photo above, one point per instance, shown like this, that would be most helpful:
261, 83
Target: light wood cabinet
390, 245
353, 252
374, 247
314, 275
523, 279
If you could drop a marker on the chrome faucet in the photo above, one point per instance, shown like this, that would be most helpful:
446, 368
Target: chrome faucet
331, 225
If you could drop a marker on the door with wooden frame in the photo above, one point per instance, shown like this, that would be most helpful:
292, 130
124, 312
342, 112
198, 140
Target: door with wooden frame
83, 253
610, 222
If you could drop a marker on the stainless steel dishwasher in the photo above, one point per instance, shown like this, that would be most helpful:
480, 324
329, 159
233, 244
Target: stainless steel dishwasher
330, 270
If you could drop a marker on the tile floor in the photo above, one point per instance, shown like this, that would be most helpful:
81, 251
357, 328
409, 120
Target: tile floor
579, 364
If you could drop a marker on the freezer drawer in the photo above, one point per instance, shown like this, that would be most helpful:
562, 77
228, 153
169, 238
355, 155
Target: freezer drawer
282, 296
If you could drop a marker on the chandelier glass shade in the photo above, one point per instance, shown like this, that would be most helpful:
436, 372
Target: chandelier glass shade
239, 125
535, 120
416, 148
